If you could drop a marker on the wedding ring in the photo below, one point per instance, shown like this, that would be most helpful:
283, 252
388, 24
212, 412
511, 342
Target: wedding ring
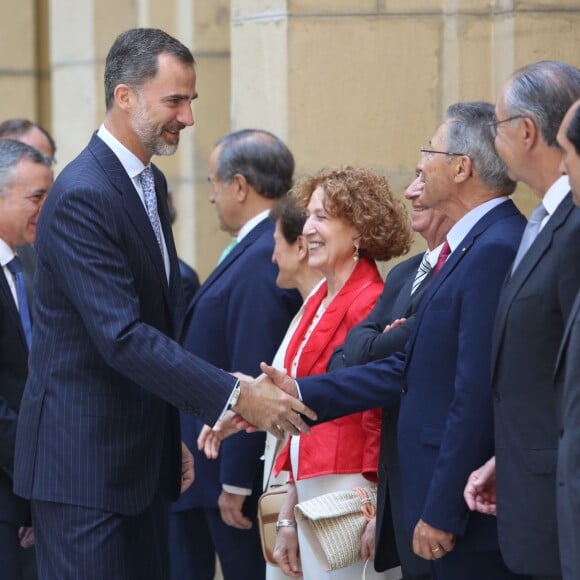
436, 549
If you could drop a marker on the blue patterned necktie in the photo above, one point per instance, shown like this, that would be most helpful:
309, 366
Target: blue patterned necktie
150, 198
423, 270
530, 233
15, 268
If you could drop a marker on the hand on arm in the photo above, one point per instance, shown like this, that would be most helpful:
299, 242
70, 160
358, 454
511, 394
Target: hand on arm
286, 551
395, 324
431, 543
480, 490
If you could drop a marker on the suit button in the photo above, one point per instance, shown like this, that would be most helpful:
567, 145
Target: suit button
404, 389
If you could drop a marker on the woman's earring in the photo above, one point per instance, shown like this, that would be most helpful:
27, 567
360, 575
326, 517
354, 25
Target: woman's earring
356, 254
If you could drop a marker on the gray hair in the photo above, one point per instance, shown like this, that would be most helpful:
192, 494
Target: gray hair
12, 152
261, 157
133, 58
543, 91
468, 132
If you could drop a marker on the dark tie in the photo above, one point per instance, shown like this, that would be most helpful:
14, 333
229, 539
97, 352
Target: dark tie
422, 271
530, 233
445, 251
150, 198
15, 267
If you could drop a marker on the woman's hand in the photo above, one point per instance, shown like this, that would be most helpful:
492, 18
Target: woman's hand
286, 551
367, 541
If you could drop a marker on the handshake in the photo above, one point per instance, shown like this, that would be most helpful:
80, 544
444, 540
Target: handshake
269, 403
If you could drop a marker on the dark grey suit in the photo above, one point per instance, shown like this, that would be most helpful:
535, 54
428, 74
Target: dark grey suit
534, 306
568, 486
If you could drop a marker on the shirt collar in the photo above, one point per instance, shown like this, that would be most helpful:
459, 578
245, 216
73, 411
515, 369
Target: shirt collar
130, 162
461, 228
6, 253
433, 255
251, 224
557, 192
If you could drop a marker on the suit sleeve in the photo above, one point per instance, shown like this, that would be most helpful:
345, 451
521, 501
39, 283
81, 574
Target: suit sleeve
467, 440
258, 315
87, 234
7, 436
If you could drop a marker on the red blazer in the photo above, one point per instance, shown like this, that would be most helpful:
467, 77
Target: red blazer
349, 444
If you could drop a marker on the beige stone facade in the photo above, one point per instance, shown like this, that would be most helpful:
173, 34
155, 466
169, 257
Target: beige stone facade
362, 82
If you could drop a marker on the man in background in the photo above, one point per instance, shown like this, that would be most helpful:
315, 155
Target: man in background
25, 178
237, 319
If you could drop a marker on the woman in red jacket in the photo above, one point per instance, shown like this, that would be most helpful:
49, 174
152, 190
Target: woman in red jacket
352, 220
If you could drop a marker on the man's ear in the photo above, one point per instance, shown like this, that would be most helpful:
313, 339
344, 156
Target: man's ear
529, 133
241, 187
463, 168
125, 97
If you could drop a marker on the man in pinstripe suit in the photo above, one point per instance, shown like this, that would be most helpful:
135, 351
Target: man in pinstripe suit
98, 446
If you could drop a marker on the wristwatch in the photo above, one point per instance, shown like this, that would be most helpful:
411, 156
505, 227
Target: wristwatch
285, 524
234, 396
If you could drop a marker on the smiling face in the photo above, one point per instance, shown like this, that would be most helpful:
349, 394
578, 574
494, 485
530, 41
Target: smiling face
436, 172
162, 107
330, 240
21, 201
570, 164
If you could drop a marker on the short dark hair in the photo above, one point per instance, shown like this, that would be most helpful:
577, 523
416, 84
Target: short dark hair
290, 217
261, 157
573, 132
18, 127
133, 58
12, 152
468, 132
543, 91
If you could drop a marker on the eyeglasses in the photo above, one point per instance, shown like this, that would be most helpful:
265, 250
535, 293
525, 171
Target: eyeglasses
495, 124
433, 151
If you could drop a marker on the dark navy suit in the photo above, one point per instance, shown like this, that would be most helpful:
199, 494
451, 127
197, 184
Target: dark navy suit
367, 342
445, 422
98, 431
14, 511
237, 319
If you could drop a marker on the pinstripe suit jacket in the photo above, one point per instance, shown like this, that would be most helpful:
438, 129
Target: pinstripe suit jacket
95, 427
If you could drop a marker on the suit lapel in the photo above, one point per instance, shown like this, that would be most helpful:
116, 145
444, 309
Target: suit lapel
231, 258
7, 299
574, 314
529, 263
134, 207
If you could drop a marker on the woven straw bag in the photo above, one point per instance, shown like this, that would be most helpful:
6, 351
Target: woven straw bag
333, 523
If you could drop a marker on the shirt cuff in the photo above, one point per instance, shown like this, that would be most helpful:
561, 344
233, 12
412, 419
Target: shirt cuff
236, 490
229, 403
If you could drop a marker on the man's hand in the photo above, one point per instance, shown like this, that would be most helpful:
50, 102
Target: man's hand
231, 505
431, 543
395, 324
264, 405
479, 493
187, 472
367, 541
26, 537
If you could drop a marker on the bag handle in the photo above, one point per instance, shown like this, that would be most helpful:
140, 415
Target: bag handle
366, 504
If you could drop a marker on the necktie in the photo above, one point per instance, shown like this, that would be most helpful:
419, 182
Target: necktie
150, 198
445, 251
530, 233
15, 267
422, 271
227, 251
